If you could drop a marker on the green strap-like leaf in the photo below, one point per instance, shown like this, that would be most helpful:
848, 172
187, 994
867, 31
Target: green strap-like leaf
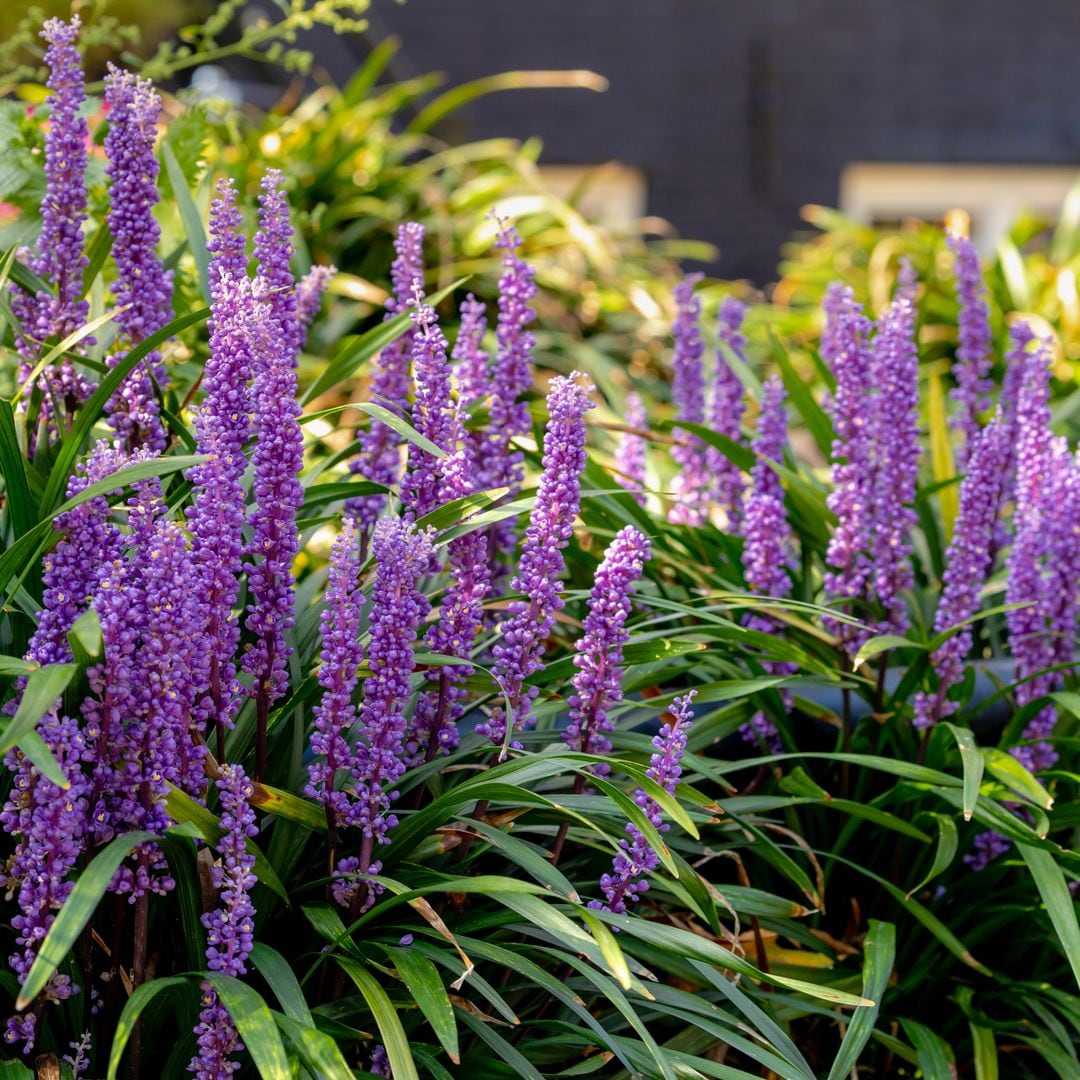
75, 914
426, 987
133, 1009
43, 688
190, 217
19, 502
972, 762
1050, 882
879, 952
254, 1023
275, 969
393, 1034
316, 1048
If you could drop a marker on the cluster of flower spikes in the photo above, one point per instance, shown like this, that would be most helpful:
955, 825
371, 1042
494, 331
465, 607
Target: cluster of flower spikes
378, 459
138, 717
58, 257
631, 453
50, 823
230, 927
974, 352
143, 288
875, 455
693, 484
598, 680
636, 859
967, 563
279, 449
725, 410
429, 483
402, 556
768, 550
519, 651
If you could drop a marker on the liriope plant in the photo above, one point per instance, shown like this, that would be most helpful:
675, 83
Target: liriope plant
469, 745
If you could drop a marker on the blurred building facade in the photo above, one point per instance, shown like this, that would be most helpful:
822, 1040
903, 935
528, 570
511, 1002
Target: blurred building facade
730, 115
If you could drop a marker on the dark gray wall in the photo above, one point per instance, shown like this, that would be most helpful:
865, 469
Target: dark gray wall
741, 111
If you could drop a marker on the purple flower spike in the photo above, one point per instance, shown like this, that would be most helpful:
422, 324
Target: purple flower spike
631, 456
434, 727
988, 846
431, 481
472, 371
309, 293
273, 254
520, 650
143, 289
1043, 560
229, 928
58, 255
967, 563
1032, 542
636, 859
222, 427
844, 348
895, 360
496, 462
598, 679
513, 373
402, 556
73, 569
726, 408
693, 484
278, 460
378, 459
768, 550
974, 351
341, 656
50, 824
227, 245
139, 716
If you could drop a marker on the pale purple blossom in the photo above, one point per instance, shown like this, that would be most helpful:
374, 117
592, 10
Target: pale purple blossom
472, 365
309, 294
974, 350
726, 408
340, 660
378, 459
692, 485
844, 348
430, 481
631, 455
768, 550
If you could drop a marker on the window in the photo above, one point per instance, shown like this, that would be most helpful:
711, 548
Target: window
883, 193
